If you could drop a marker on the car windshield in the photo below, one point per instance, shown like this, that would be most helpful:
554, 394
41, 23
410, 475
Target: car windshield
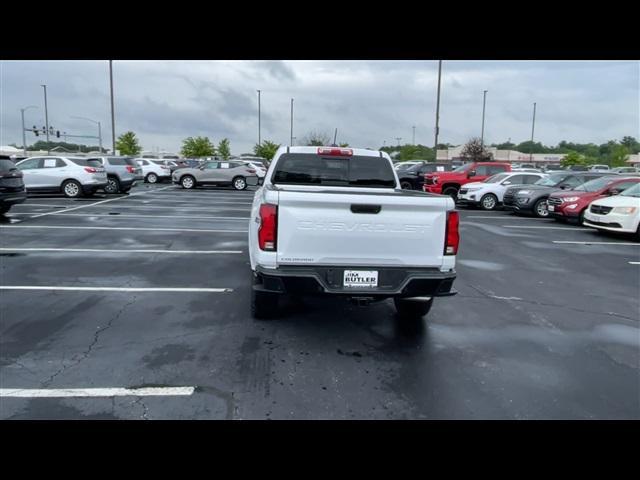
463, 168
552, 180
594, 185
632, 191
496, 178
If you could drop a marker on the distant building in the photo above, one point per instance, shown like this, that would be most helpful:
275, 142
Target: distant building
454, 154
634, 159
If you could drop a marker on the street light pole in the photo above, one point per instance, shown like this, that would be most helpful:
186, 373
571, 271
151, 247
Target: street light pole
113, 117
414, 135
24, 138
99, 129
435, 145
259, 137
484, 102
46, 117
291, 122
533, 126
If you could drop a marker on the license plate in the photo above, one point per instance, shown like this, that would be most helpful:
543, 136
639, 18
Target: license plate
551, 208
360, 278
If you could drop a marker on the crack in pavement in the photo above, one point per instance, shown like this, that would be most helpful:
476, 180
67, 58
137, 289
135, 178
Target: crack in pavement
96, 338
145, 409
533, 302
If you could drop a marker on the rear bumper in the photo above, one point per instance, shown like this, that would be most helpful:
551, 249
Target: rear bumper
392, 281
92, 187
13, 198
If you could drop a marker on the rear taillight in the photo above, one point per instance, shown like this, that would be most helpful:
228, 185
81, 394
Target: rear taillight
90, 169
130, 169
268, 230
451, 236
338, 152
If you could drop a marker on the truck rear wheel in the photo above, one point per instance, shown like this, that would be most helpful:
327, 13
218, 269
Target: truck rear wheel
408, 308
452, 192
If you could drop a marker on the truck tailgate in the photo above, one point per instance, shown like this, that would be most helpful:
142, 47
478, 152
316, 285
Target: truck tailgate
365, 229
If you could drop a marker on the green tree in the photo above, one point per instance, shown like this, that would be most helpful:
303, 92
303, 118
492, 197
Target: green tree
631, 143
128, 144
266, 150
618, 156
573, 158
224, 149
198, 147
415, 152
475, 151
315, 138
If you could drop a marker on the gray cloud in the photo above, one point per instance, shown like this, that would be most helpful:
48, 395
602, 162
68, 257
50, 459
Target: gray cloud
368, 101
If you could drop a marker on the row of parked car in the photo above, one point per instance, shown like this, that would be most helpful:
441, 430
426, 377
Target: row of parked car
602, 200
84, 176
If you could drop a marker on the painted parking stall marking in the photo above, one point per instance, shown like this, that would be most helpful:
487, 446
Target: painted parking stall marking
596, 243
148, 229
116, 289
121, 251
95, 392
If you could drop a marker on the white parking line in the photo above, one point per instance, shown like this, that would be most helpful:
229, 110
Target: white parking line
597, 243
634, 263
500, 217
120, 250
126, 215
114, 289
201, 230
167, 207
189, 202
92, 204
95, 392
547, 228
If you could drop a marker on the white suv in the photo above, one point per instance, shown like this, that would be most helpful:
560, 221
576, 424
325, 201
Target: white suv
153, 172
489, 194
69, 175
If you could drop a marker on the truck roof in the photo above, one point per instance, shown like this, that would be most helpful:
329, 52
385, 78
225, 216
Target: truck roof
362, 152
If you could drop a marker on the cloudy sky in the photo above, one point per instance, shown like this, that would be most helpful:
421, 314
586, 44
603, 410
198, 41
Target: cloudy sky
370, 102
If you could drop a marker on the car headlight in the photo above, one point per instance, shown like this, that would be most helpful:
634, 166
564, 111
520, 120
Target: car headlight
624, 210
570, 199
473, 189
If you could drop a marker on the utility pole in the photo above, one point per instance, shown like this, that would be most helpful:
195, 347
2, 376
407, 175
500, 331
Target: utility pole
435, 145
113, 117
414, 135
533, 126
46, 118
259, 137
24, 139
335, 135
484, 102
291, 122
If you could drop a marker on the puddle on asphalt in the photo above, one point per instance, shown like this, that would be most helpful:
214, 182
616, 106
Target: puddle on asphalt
114, 213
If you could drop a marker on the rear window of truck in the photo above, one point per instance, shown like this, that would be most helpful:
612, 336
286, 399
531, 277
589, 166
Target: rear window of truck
312, 169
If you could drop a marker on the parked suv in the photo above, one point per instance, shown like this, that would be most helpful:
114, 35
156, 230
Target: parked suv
153, 172
122, 173
234, 173
12, 189
533, 198
573, 204
412, 178
489, 194
449, 183
69, 175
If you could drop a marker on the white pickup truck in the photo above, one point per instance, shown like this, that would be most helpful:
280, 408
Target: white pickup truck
335, 221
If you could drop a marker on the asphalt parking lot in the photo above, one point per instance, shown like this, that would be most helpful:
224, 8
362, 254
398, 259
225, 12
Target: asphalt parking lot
545, 325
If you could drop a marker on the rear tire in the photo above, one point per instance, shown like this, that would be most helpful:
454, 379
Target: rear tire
113, 185
406, 185
72, 189
239, 183
412, 309
151, 178
264, 304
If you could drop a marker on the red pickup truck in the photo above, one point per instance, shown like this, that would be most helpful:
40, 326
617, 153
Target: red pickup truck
448, 183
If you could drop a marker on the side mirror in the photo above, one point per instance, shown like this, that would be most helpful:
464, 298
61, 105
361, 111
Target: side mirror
471, 173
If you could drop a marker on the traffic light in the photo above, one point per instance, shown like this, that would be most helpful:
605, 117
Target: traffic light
35, 130
58, 133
